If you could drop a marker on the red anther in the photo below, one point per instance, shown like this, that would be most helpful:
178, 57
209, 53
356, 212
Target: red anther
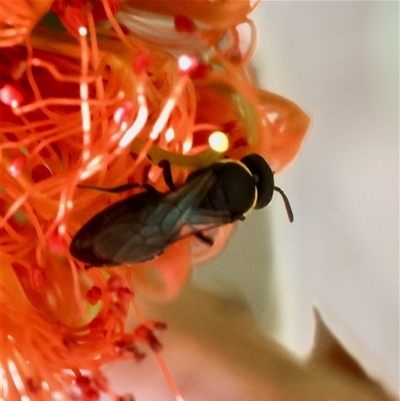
200, 71
236, 56
118, 309
91, 394
40, 173
114, 283
11, 95
120, 343
160, 325
230, 126
145, 334
124, 346
57, 244
141, 62
75, 18
184, 24
98, 11
69, 341
240, 143
33, 385
12, 64
83, 382
153, 342
124, 294
123, 112
130, 346
141, 331
137, 354
37, 278
96, 326
93, 295
16, 166
58, 6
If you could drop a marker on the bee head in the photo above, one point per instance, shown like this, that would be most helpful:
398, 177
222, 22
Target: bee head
263, 177
264, 180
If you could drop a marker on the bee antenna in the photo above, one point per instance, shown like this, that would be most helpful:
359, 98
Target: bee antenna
289, 210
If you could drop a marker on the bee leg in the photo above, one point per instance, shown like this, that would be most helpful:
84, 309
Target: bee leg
204, 238
118, 189
167, 174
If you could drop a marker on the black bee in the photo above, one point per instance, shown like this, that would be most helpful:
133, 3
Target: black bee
142, 226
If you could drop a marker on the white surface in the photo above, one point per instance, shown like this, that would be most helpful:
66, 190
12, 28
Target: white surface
340, 62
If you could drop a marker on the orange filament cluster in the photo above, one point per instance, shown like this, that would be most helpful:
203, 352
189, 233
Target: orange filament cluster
101, 103
43, 356
18, 20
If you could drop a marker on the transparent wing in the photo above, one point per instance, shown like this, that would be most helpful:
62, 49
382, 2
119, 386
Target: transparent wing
139, 235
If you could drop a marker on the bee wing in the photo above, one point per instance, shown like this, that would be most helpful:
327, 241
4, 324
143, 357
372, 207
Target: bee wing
209, 217
83, 245
141, 235
201, 220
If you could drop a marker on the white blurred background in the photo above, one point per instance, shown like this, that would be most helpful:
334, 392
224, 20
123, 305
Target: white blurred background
340, 62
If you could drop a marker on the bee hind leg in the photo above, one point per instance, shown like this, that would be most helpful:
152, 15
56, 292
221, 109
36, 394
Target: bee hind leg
204, 238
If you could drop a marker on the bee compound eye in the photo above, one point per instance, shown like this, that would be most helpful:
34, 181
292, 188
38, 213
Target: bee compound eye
263, 177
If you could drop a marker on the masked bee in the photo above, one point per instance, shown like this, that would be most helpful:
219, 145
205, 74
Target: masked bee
142, 226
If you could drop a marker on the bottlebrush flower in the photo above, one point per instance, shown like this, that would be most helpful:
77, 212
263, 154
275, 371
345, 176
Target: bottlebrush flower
92, 104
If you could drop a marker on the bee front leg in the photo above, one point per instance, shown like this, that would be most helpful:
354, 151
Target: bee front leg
167, 174
119, 188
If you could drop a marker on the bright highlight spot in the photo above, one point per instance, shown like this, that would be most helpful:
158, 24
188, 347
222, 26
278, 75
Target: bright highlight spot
187, 145
11, 96
15, 376
187, 63
169, 134
135, 128
62, 229
218, 141
162, 120
82, 31
124, 111
91, 167
15, 168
